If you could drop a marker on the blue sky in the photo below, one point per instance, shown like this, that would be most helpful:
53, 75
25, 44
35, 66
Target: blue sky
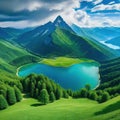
85, 13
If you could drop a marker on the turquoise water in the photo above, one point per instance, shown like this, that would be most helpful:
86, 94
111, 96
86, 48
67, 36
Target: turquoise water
73, 77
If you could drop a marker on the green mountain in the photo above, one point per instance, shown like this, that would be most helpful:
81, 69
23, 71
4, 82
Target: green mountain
114, 41
12, 55
11, 33
61, 42
110, 75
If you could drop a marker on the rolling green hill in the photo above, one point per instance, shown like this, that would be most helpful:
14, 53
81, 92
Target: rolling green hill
12, 56
110, 76
65, 109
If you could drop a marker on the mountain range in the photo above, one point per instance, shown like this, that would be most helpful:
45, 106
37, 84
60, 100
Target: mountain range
57, 38
98, 33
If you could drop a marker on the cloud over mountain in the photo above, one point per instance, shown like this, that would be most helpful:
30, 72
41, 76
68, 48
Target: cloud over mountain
86, 13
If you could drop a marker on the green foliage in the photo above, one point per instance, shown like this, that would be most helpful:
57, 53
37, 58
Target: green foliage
93, 95
11, 98
65, 94
3, 102
52, 97
83, 92
105, 97
70, 92
32, 89
3, 90
58, 93
18, 94
36, 93
44, 97
88, 87
33, 84
67, 61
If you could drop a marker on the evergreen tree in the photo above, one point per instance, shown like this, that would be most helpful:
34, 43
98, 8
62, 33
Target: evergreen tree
88, 87
105, 97
39, 85
18, 94
49, 87
36, 92
19, 85
65, 94
70, 93
3, 90
83, 92
93, 95
58, 93
44, 97
3, 102
52, 97
32, 88
26, 84
43, 86
11, 98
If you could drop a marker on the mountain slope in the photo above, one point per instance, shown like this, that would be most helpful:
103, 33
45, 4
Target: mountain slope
10, 53
11, 33
62, 42
98, 33
114, 41
110, 75
58, 39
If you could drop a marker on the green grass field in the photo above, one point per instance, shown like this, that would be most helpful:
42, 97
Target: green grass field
64, 109
66, 62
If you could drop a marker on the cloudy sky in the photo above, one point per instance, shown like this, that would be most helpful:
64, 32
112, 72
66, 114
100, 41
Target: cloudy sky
85, 13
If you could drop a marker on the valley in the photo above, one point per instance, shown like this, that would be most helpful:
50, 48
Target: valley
63, 72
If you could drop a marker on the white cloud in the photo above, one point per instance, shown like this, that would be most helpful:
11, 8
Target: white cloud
113, 2
97, 1
18, 24
102, 7
66, 9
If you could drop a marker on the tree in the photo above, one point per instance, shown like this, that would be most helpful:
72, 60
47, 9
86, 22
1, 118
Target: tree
39, 85
65, 94
36, 92
3, 102
11, 98
43, 86
93, 95
88, 87
32, 89
26, 84
52, 97
105, 97
70, 93
44, 97
3, 90
19, 85
83, 92
18, 94
58, 93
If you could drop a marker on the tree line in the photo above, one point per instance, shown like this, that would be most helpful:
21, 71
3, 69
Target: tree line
46, 90
43, 89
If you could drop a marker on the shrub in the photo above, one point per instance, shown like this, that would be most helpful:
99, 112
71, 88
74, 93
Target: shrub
3, 102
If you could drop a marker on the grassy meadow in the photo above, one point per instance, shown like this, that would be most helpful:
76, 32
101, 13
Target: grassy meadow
63, 109
65, 61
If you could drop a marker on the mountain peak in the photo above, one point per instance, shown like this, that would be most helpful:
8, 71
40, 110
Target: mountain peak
59, 22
